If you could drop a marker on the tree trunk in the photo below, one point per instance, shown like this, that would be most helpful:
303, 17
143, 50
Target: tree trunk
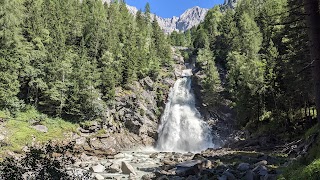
312, 10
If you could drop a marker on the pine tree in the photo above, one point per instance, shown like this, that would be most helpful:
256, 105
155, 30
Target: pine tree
211, 83
11, 53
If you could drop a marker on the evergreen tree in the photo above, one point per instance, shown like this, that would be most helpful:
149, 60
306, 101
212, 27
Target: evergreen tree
12, 52
211, 83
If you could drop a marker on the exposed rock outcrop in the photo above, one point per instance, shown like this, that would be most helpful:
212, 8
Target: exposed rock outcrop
133, 117
229, 4
190, 18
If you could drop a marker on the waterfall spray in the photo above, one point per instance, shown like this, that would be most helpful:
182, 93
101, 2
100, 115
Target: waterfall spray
182, 128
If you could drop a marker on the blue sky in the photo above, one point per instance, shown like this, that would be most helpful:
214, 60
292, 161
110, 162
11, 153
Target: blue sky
169, 8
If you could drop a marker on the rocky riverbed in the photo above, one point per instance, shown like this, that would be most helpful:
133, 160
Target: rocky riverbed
222, 164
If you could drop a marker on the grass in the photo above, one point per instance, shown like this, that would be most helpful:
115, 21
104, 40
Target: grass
21, 133
307, 167
297, 171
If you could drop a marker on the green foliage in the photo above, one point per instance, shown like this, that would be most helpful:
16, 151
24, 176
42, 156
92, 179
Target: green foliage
22, 133
12, 53
211, 83
66, 58
308, 166
261, 47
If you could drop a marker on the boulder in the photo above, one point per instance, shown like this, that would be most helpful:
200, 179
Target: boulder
243, 167
146, 177
98, 177
127, 168
168, 162
229, 175
261, 170
40, 128
81, 140
249, 175
114, 168
119, 156
223, 177
84, 157
154, 155
94, 127
206, 164
261, 163
190, 163
98, 168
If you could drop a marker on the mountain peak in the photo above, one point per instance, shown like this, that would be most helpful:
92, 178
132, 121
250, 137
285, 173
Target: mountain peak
190, 18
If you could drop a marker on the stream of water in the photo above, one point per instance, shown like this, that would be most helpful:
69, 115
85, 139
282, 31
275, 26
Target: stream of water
181, 128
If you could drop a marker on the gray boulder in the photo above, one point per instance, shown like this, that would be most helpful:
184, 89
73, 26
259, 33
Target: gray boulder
119, 156
40, 128
114, 168
249, 175
98, 168
127, 168
243, 167
229, 175
98, 177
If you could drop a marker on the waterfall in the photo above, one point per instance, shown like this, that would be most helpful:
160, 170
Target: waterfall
181, 128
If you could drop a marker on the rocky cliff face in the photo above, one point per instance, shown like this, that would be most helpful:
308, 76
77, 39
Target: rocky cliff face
132, 120
190, 18
229, 4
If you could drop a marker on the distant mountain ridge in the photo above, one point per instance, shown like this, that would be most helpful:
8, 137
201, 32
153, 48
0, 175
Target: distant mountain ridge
190, 18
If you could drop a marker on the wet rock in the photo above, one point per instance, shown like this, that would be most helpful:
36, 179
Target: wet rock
40, 128
98, 168
243, 167
127, 168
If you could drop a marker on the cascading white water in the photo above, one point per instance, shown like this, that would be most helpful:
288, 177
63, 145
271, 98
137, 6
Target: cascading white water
181, 128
